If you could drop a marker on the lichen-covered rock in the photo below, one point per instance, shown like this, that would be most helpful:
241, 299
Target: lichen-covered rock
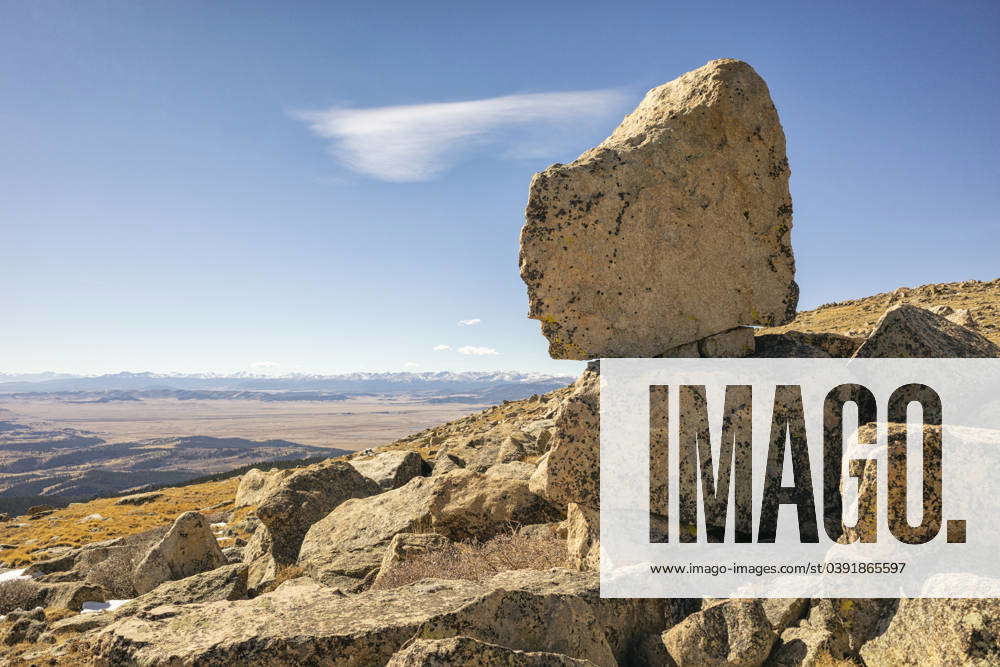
256, 484
807, 646
225, 583
734, 633
474, 653
189, 547
928, 631
556, 611
81, 623
351, 541
736, 342
850, 621
675, 228
572, 468
512, 470
390, 470
910, 332
798, 344
303, 498
783, 612
583, 537
72, 594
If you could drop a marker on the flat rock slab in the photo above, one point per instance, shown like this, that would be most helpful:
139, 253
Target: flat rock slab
553, 611
675, 228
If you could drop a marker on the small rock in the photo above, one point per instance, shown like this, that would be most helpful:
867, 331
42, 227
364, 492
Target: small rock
140, 498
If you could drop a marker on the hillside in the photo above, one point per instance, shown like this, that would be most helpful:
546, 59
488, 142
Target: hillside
856, 317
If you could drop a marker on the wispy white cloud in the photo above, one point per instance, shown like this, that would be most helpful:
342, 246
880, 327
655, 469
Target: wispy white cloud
477, 351
441, 348
470, 323
416, 142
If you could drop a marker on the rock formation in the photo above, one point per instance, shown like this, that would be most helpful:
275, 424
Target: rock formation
675, 229
909, 331
189, 547
390, 470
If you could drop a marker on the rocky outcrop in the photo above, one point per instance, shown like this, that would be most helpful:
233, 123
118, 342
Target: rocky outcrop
351, 541
675, 228
189, 547
474, 653
390, 470
304, 497
583, 537
735, 633
256, 484
556, 611
571, 471
797, 344
224, 583
911, 332
937, 632
24, 626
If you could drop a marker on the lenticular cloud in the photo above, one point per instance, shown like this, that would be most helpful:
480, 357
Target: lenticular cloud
419, 141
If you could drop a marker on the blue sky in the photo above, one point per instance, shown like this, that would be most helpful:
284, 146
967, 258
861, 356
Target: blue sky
289, 187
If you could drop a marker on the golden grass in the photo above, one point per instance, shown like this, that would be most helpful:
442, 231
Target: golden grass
33, 538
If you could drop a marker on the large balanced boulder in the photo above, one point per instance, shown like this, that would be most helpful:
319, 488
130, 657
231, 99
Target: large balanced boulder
187, 548
910, 332
674, 229
351, 541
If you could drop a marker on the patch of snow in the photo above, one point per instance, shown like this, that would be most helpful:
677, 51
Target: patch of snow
218, 526
11, 575
91, 517
110, 605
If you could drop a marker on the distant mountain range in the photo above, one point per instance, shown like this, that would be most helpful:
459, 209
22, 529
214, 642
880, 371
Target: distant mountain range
485, 386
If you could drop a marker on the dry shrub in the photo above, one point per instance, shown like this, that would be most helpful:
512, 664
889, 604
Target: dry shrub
114, 573
478, 561
19, 594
